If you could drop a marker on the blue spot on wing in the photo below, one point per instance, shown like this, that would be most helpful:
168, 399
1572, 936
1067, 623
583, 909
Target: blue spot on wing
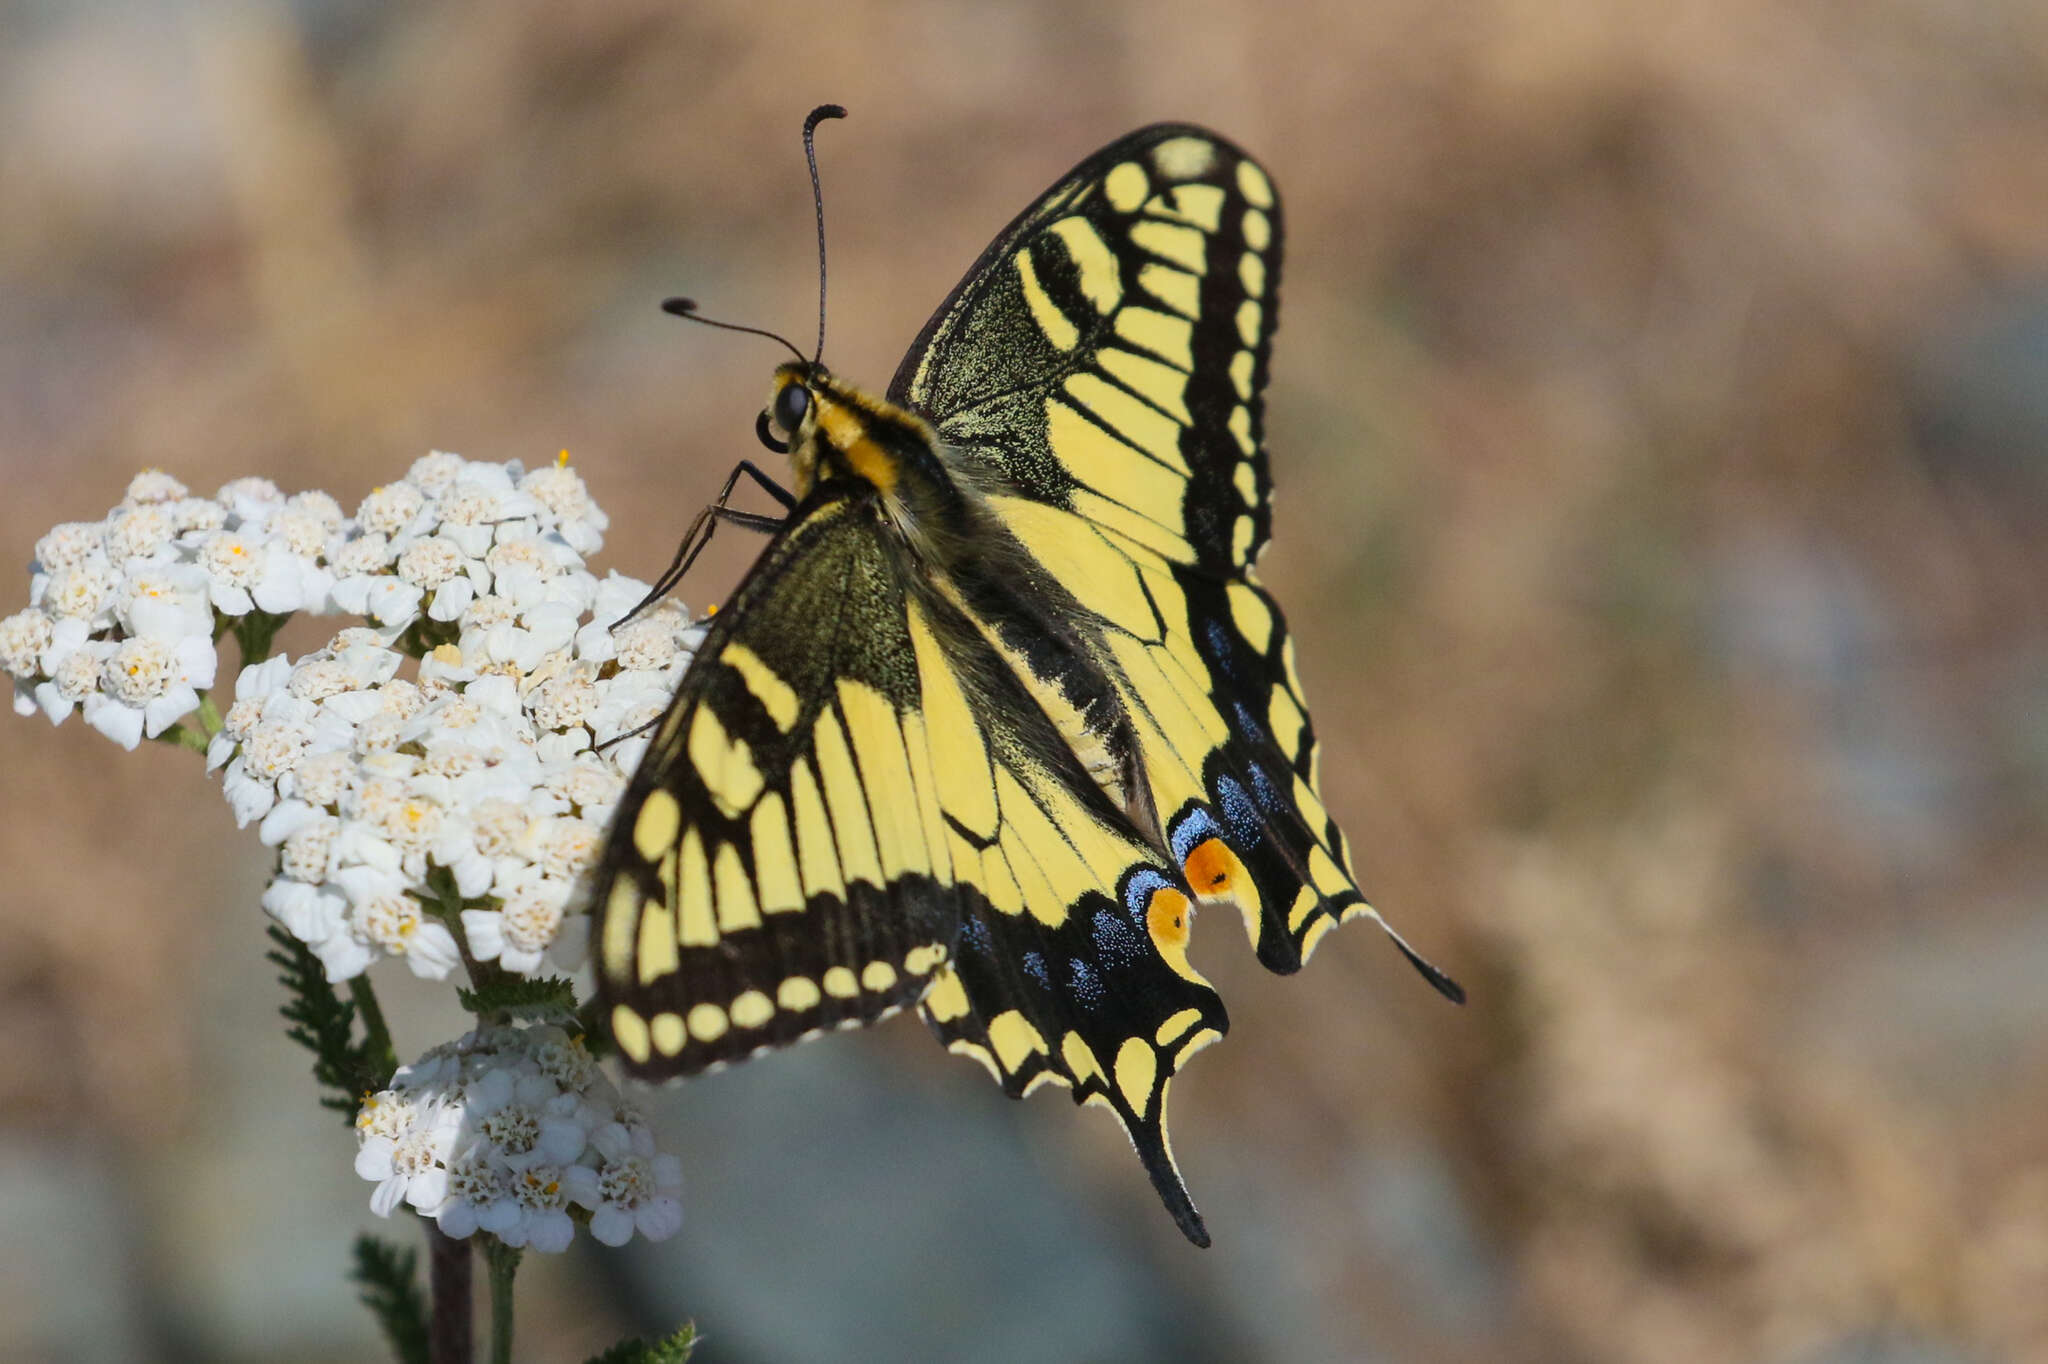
1222, 648
1265, 792
1245, 825
1139, 889
1116, 942
1083, 984
1247, 723
1195, 827
1034, 967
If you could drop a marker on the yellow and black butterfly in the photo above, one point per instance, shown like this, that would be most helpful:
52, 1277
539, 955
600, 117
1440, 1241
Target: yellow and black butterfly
1002, 701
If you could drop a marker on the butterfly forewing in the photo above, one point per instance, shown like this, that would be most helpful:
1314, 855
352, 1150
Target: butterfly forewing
1106, 360
1134, 301
769, 874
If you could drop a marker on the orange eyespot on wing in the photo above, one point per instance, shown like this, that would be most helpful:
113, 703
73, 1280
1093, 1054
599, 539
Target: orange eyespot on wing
1213, 871
1168, 917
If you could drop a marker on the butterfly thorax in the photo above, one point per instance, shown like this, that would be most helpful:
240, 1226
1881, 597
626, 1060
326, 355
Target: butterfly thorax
844, 432
964, 555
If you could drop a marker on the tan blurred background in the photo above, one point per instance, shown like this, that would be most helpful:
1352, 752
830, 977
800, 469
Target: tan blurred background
1661, 430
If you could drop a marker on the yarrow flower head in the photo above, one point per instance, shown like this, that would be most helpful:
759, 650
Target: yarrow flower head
121, 618
434, 772
435, 781
167, 568
516, 1132
474, 795
484, 765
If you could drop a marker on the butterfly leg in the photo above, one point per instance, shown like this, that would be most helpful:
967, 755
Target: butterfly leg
699, 534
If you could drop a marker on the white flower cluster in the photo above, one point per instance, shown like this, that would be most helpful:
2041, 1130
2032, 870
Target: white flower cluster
123, 612
506, 1131
479, 787
476, 784
433, 771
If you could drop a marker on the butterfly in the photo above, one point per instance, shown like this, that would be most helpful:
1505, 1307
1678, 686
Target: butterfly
1002, 702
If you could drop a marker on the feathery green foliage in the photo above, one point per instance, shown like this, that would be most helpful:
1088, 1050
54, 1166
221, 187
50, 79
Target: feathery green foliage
390, 1289
325, 1024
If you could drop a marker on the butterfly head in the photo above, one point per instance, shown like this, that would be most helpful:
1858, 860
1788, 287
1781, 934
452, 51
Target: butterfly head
831, 429
783, 425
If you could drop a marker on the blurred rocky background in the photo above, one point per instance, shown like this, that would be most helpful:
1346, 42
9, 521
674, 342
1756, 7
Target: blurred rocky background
1661, 429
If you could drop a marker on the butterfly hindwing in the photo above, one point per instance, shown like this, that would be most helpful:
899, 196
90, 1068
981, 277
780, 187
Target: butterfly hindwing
1105, 361
1071, 962
1092, 1004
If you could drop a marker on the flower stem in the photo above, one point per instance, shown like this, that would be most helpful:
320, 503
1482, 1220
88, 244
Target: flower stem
445, 902
184, 736
452, 1337
254, 633
503, 1262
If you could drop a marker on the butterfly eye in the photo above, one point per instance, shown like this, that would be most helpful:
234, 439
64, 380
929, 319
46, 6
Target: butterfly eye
790, 405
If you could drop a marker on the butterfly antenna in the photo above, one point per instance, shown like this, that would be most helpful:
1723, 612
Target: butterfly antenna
687, 308
817, 116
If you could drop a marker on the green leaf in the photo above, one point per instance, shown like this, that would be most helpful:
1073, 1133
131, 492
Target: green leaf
325, 1024
670, 1350
391, 1291
552, 998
